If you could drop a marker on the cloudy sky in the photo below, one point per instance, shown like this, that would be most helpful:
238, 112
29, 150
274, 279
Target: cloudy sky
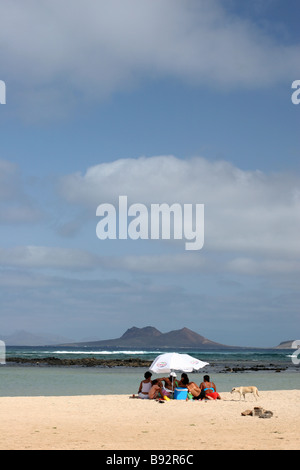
164, 101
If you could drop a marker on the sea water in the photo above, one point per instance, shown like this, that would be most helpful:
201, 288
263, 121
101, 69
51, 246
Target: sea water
64, 381
43, 380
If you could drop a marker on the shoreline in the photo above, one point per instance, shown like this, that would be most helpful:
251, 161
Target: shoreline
115, 422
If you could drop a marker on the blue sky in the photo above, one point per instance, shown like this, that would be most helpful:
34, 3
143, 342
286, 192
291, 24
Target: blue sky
163, 101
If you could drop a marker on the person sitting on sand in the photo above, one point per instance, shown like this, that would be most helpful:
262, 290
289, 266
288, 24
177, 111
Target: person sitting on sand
208, 389
170, 384
192, 387
145, 386
155, 391
193, 390
184, 380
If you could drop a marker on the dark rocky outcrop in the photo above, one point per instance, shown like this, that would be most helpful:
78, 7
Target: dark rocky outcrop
83, 362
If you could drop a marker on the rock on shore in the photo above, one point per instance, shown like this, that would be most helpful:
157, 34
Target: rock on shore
84, 362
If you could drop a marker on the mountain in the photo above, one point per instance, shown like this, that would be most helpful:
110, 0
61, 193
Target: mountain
24, 338
285, 345
150, 337
140, 334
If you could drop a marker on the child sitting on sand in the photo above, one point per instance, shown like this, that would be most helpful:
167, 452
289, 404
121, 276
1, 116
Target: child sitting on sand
155, 391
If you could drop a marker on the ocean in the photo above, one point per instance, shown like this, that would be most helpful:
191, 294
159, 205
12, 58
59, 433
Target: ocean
268, 369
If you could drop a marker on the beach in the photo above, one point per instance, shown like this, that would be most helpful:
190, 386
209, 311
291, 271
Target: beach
116, 422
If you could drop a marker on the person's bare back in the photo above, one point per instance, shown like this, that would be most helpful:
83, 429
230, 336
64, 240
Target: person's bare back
155, 390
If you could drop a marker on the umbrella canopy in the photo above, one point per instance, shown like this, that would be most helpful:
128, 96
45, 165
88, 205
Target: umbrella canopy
166, 363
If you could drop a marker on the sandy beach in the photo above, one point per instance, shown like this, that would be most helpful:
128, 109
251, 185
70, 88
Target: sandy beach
117, 422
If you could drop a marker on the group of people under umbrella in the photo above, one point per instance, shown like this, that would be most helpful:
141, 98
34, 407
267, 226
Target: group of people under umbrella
164, 387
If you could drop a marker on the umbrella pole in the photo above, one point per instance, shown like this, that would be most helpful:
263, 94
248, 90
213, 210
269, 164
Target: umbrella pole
173, 386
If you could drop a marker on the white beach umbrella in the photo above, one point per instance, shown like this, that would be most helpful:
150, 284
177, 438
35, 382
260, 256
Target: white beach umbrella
169, 362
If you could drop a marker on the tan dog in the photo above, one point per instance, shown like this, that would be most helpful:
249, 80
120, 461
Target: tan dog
244, 390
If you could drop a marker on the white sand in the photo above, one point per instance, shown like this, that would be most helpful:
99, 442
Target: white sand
119, 423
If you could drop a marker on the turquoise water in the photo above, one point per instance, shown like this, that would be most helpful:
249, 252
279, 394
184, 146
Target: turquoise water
64, 381
41, 380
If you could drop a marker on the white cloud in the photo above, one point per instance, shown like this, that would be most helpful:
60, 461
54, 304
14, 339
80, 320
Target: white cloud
248, 212
252, 219
55, 53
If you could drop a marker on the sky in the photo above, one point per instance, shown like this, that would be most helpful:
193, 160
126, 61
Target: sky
162, 101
